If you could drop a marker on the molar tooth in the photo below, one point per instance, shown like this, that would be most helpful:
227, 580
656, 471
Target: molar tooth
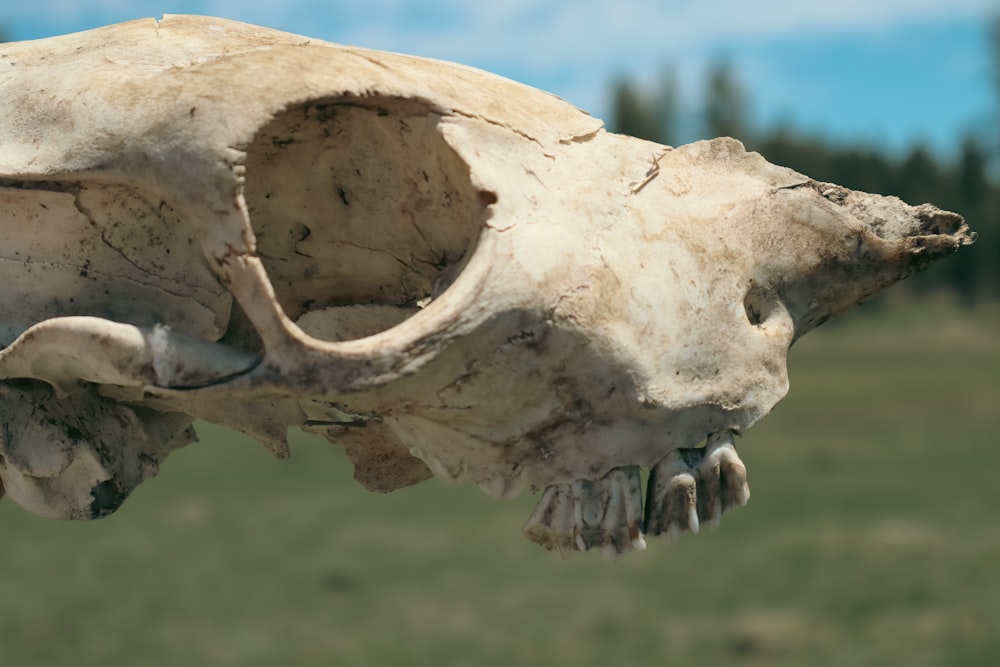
551, 522
591, 511
633, 496
585, 514
723, 460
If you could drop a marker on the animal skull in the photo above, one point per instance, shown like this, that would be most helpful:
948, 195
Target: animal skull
443, 270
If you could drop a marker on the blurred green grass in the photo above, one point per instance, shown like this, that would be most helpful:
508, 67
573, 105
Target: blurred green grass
871, 539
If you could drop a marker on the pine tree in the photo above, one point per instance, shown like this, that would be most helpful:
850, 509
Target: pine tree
725, 103
651, 115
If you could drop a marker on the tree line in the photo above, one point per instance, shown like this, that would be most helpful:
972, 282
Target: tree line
967, 184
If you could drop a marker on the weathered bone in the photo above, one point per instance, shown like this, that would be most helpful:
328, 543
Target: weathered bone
446, 271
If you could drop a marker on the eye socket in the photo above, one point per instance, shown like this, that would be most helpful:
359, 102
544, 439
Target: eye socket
360, 204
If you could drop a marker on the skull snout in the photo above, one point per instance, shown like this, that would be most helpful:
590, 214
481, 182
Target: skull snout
932, 221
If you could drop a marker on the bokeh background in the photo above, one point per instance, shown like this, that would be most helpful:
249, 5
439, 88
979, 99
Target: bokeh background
871, 537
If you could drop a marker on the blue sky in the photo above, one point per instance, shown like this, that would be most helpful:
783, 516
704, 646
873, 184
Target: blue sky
891, 72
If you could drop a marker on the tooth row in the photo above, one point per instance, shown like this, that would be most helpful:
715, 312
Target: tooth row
586, 514
687, 489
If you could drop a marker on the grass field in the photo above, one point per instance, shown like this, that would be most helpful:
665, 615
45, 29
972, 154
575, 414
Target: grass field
872, 538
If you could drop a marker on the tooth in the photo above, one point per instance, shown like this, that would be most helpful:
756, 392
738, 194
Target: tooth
743, 495
633, 495
716, 519
693, 519
586, 514
551, 522
613, 510
591, 510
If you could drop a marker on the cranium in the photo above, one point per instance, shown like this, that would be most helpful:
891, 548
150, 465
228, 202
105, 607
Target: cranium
444, 270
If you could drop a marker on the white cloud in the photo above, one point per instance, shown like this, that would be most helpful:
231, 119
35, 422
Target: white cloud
580, 44
530, 31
